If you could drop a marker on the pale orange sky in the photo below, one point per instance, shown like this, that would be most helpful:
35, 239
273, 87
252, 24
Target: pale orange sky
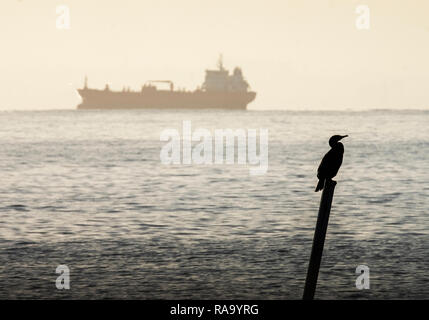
296, 54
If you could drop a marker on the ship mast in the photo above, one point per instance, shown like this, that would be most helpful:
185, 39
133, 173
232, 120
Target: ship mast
220, 62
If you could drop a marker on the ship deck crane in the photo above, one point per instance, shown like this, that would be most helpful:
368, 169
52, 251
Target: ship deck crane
163, 81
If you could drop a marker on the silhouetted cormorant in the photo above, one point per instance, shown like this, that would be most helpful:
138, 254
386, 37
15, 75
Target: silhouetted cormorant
331, 162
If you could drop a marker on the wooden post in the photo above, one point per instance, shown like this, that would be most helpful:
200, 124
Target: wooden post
319, 239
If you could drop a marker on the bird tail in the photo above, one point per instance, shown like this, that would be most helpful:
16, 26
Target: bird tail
320, 185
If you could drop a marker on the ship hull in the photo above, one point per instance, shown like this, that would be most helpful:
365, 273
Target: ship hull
162, 99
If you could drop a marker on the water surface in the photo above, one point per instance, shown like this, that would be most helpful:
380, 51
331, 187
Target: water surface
87, 189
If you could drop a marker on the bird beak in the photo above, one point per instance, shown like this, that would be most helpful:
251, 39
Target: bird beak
344, 136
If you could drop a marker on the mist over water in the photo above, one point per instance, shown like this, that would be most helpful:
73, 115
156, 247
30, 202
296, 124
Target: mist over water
87, 189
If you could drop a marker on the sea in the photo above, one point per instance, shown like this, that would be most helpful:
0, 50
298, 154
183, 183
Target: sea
87, 190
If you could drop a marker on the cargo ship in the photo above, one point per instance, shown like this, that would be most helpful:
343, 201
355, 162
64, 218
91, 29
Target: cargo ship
220, 90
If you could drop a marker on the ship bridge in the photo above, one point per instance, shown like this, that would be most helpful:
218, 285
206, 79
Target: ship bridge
221, 80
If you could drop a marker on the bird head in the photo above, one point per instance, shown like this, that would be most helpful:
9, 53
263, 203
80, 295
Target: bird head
334, 139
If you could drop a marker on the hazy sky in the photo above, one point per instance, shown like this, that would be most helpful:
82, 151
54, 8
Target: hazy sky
296, 54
